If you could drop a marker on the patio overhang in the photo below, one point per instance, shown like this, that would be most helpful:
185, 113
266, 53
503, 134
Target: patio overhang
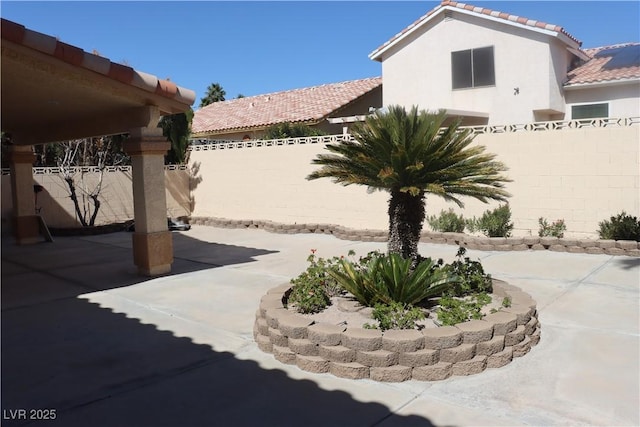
52, 91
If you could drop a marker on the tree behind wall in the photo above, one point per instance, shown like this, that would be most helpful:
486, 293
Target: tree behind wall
177, 128
81, 159
215, 93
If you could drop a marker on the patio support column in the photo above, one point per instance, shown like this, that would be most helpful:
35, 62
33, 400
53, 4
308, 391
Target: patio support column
26, 227
152, 241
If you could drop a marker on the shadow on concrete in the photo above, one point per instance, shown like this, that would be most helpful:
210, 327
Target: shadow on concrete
627, 263
96, 367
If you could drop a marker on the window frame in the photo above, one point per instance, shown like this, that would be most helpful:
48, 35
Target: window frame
473, 75
583, 104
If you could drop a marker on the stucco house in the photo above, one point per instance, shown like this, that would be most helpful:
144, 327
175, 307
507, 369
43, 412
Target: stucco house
329, 107
506, 69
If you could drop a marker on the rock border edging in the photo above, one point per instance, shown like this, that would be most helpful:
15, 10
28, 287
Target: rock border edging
432, 354
608, 247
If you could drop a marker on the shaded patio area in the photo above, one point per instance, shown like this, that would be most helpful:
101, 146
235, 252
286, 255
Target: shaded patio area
83, 334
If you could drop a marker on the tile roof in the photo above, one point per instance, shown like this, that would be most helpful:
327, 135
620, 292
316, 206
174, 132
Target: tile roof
310, 104
77, 57
607, 64
478, 10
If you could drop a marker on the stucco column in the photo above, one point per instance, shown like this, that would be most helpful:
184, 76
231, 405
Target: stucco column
26, 227
152, 242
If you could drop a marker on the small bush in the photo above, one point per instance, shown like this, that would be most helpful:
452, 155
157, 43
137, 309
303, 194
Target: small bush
455, 310
313, 288
470, 274
395, 316
620, 227
555, 229
447, 221
493, 223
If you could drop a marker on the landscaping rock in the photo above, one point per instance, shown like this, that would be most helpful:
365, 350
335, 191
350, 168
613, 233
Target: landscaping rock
604, 244
377, 358
515, 337
313, 364
522, 347
437, 372
503, 322
391, 374
294, 326
419, 358
337, 353
277, 338
470, 367
402, 340
264, 343
443, 337
303, 347
522, 312
627, 244
500, 359
352, 371
493, 346
459, 353
284, 355
325, 334
475, 331
362, 339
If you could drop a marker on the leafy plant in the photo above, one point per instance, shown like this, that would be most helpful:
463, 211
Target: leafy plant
506, 302
620, 227
291, 130
470, 274
395, 316
392, 278
313, 288
454, 310
447, 221
555, 229
493, 223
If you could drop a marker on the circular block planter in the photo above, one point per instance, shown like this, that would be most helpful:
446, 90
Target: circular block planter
398, 355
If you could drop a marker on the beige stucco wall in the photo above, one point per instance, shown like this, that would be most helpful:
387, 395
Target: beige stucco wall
580, 175
418, 70
116, 197
623, 99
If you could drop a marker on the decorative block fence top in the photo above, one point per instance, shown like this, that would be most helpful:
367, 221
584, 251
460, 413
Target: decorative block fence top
398, 355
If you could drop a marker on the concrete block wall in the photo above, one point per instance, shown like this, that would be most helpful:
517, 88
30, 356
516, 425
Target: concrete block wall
116, 197
398, 355
589, 246
582, 173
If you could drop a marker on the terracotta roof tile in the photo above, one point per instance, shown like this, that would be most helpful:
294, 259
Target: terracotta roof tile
478, 10
608, 63
309, 104
48, 45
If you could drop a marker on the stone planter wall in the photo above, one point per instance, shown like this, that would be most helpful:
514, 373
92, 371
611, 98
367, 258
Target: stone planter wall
398, 355
609, 247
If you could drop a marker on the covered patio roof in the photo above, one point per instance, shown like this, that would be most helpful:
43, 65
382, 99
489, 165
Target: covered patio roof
53, 91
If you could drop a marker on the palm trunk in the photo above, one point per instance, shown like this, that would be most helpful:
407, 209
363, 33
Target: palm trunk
406, 215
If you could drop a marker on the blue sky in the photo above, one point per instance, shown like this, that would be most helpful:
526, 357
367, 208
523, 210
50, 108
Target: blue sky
261, 47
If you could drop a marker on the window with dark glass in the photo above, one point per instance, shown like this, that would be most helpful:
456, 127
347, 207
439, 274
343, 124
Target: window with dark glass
472, 68
589, 111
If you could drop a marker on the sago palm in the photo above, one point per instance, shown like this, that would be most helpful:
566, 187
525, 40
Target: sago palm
410, 154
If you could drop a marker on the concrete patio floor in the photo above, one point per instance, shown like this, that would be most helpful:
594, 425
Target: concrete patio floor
83, 335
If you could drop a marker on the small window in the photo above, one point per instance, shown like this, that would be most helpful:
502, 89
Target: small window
589, 111
472, 68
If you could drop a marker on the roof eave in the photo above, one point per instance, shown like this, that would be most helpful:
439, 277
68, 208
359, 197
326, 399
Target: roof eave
590, 85
376, 55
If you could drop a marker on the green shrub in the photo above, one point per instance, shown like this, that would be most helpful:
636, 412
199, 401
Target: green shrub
395, 316
313, 288
456, 310
555, 229
391, 278
291, 130
447, 221
620, 227
470, 274
493, 223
